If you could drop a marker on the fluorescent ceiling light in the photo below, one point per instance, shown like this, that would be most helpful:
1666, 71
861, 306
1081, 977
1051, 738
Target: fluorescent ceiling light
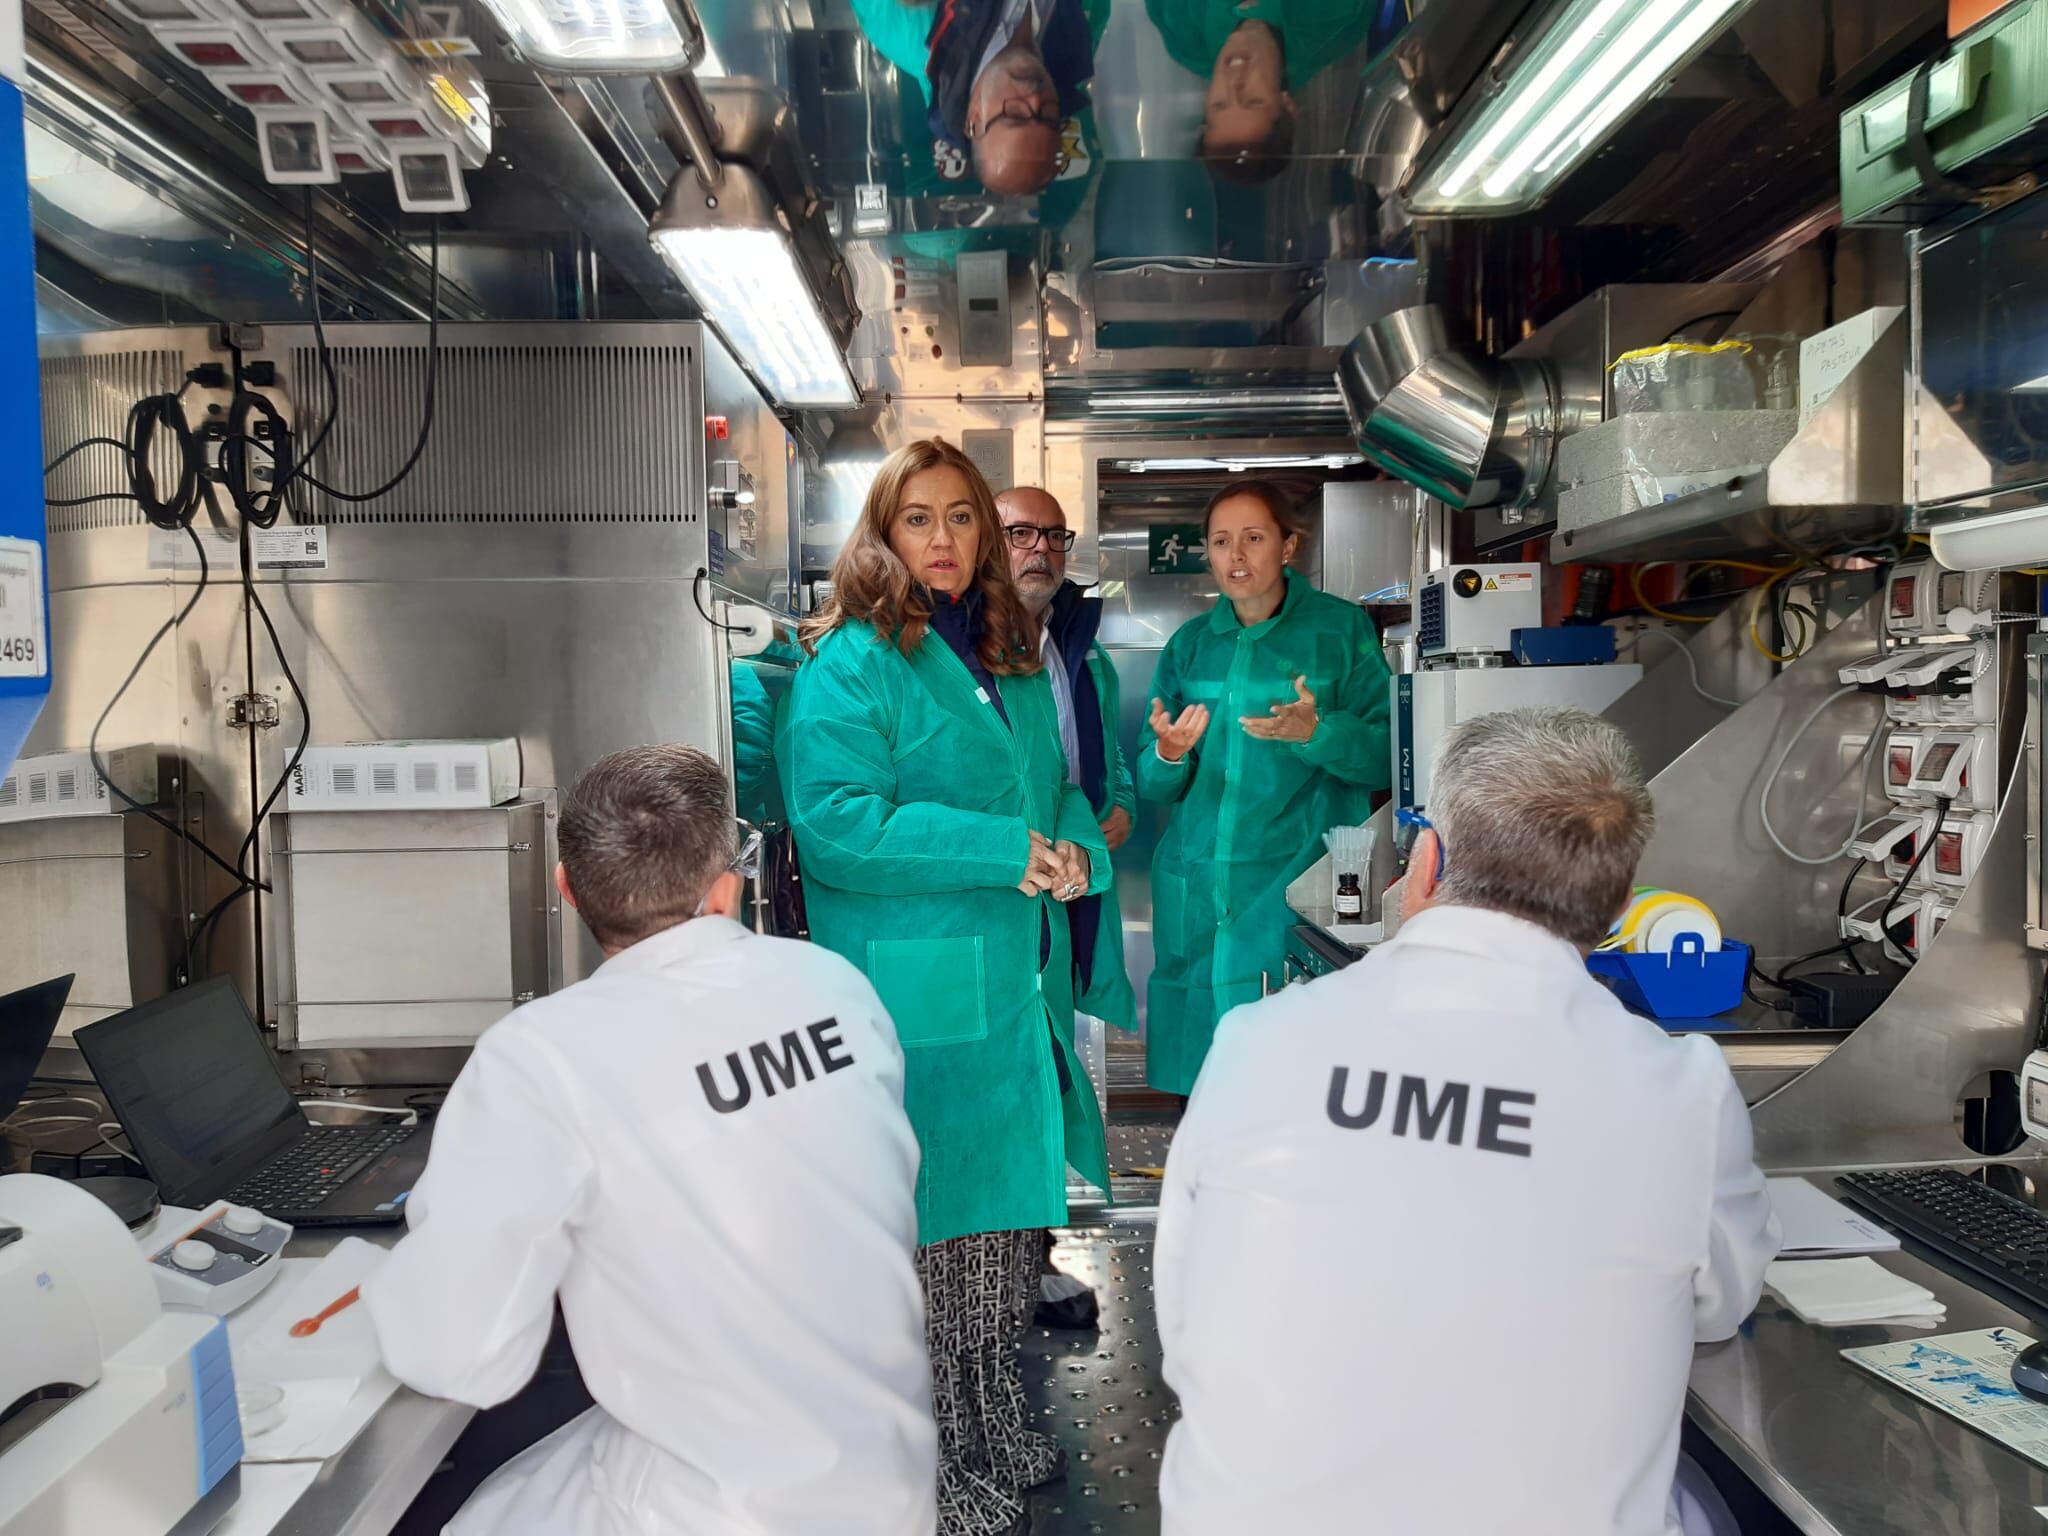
1241, 464
1563, 93
731, 247
601, 37
748, 284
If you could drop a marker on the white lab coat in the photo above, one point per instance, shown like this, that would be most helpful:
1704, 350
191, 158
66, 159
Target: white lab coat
738, 1283
1473, 1318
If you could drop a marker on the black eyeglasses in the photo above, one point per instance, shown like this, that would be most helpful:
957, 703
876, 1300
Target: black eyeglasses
1024, 535
1022, 111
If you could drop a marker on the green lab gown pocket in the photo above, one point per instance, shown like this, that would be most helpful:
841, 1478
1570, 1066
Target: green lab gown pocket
910, 973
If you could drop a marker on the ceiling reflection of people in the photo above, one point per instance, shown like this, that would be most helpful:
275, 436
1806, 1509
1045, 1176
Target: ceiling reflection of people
1257, 53
1000, 77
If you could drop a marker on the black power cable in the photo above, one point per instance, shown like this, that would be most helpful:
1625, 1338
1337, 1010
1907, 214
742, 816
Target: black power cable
93, 741
258, 509
697, 597
197, 942
1884, 920
148, 416
1840, 946
426, 430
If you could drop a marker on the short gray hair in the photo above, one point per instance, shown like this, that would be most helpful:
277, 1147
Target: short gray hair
1544, 816
643, 835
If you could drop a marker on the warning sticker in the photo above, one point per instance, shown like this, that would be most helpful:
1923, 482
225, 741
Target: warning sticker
1512, 581
288, 549
23, 652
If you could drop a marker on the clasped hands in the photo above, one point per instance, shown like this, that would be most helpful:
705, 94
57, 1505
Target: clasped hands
1293, 721
1062, 868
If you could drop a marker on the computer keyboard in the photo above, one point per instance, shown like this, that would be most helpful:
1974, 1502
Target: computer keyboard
314, 1166
1964, 1218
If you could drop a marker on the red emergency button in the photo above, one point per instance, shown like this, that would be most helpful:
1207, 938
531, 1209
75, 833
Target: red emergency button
717, 428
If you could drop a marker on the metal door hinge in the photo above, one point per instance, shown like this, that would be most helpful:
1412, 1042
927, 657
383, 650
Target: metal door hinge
252, 709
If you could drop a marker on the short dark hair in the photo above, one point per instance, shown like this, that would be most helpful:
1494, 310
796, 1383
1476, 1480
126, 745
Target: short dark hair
1286, 517
643, 835
1255, 163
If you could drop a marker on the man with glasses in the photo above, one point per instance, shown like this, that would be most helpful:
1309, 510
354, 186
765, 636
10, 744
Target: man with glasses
1085, 694
1003, 78
702, 1150
1494, 1208
1084, 691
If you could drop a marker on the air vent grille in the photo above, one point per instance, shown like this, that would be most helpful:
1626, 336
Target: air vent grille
1429, 626
89, 396
502, 415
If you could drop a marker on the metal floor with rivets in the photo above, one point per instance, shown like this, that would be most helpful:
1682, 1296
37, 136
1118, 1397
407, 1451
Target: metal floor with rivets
1100, 1392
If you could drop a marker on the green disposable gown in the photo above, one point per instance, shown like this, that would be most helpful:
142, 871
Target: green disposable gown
1109, 996
1315, 33
1249, 815
913, 803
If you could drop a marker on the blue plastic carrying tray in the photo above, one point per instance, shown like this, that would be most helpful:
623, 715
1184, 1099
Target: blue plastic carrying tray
1692, 982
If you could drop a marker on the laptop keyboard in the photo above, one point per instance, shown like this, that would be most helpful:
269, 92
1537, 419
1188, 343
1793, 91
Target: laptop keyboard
315, 1166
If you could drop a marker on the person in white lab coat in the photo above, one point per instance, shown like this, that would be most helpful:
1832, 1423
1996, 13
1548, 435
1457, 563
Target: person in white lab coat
702, 1150
1439, 1231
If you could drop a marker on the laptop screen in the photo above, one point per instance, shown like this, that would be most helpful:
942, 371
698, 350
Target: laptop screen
195, 1088
28, 1019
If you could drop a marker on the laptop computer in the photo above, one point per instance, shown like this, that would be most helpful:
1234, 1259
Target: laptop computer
28, 1021
208, 1113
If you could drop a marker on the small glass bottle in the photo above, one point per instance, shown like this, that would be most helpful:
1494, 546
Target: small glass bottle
1350, 899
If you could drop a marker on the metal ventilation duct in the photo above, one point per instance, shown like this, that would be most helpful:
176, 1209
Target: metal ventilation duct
1470, 430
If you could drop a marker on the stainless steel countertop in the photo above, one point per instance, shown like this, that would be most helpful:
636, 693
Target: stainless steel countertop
1841, 1452
364, 1490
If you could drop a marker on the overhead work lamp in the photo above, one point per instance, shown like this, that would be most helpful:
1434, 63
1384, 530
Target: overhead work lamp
1563, 90
603, 37
738, 225
743, 230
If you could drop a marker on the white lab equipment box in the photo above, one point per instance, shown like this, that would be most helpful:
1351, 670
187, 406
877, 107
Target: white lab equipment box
405, 776
412, 928
1427, 704
1467, 610
67, 784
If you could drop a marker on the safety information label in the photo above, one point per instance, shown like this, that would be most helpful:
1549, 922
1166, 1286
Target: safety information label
288, 549
1511, 581
1969, 1376
23, 652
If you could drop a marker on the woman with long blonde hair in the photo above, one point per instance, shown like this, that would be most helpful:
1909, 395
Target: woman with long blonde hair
928, 792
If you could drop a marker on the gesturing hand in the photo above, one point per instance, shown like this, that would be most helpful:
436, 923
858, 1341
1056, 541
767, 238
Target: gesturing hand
1116, 828
1288, 722
1075, 871
1177, 737
1044, 870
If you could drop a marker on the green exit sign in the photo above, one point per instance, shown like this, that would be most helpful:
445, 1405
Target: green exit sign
1175, 549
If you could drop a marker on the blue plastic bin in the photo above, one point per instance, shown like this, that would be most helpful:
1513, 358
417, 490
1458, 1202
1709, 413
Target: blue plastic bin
1692, 982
